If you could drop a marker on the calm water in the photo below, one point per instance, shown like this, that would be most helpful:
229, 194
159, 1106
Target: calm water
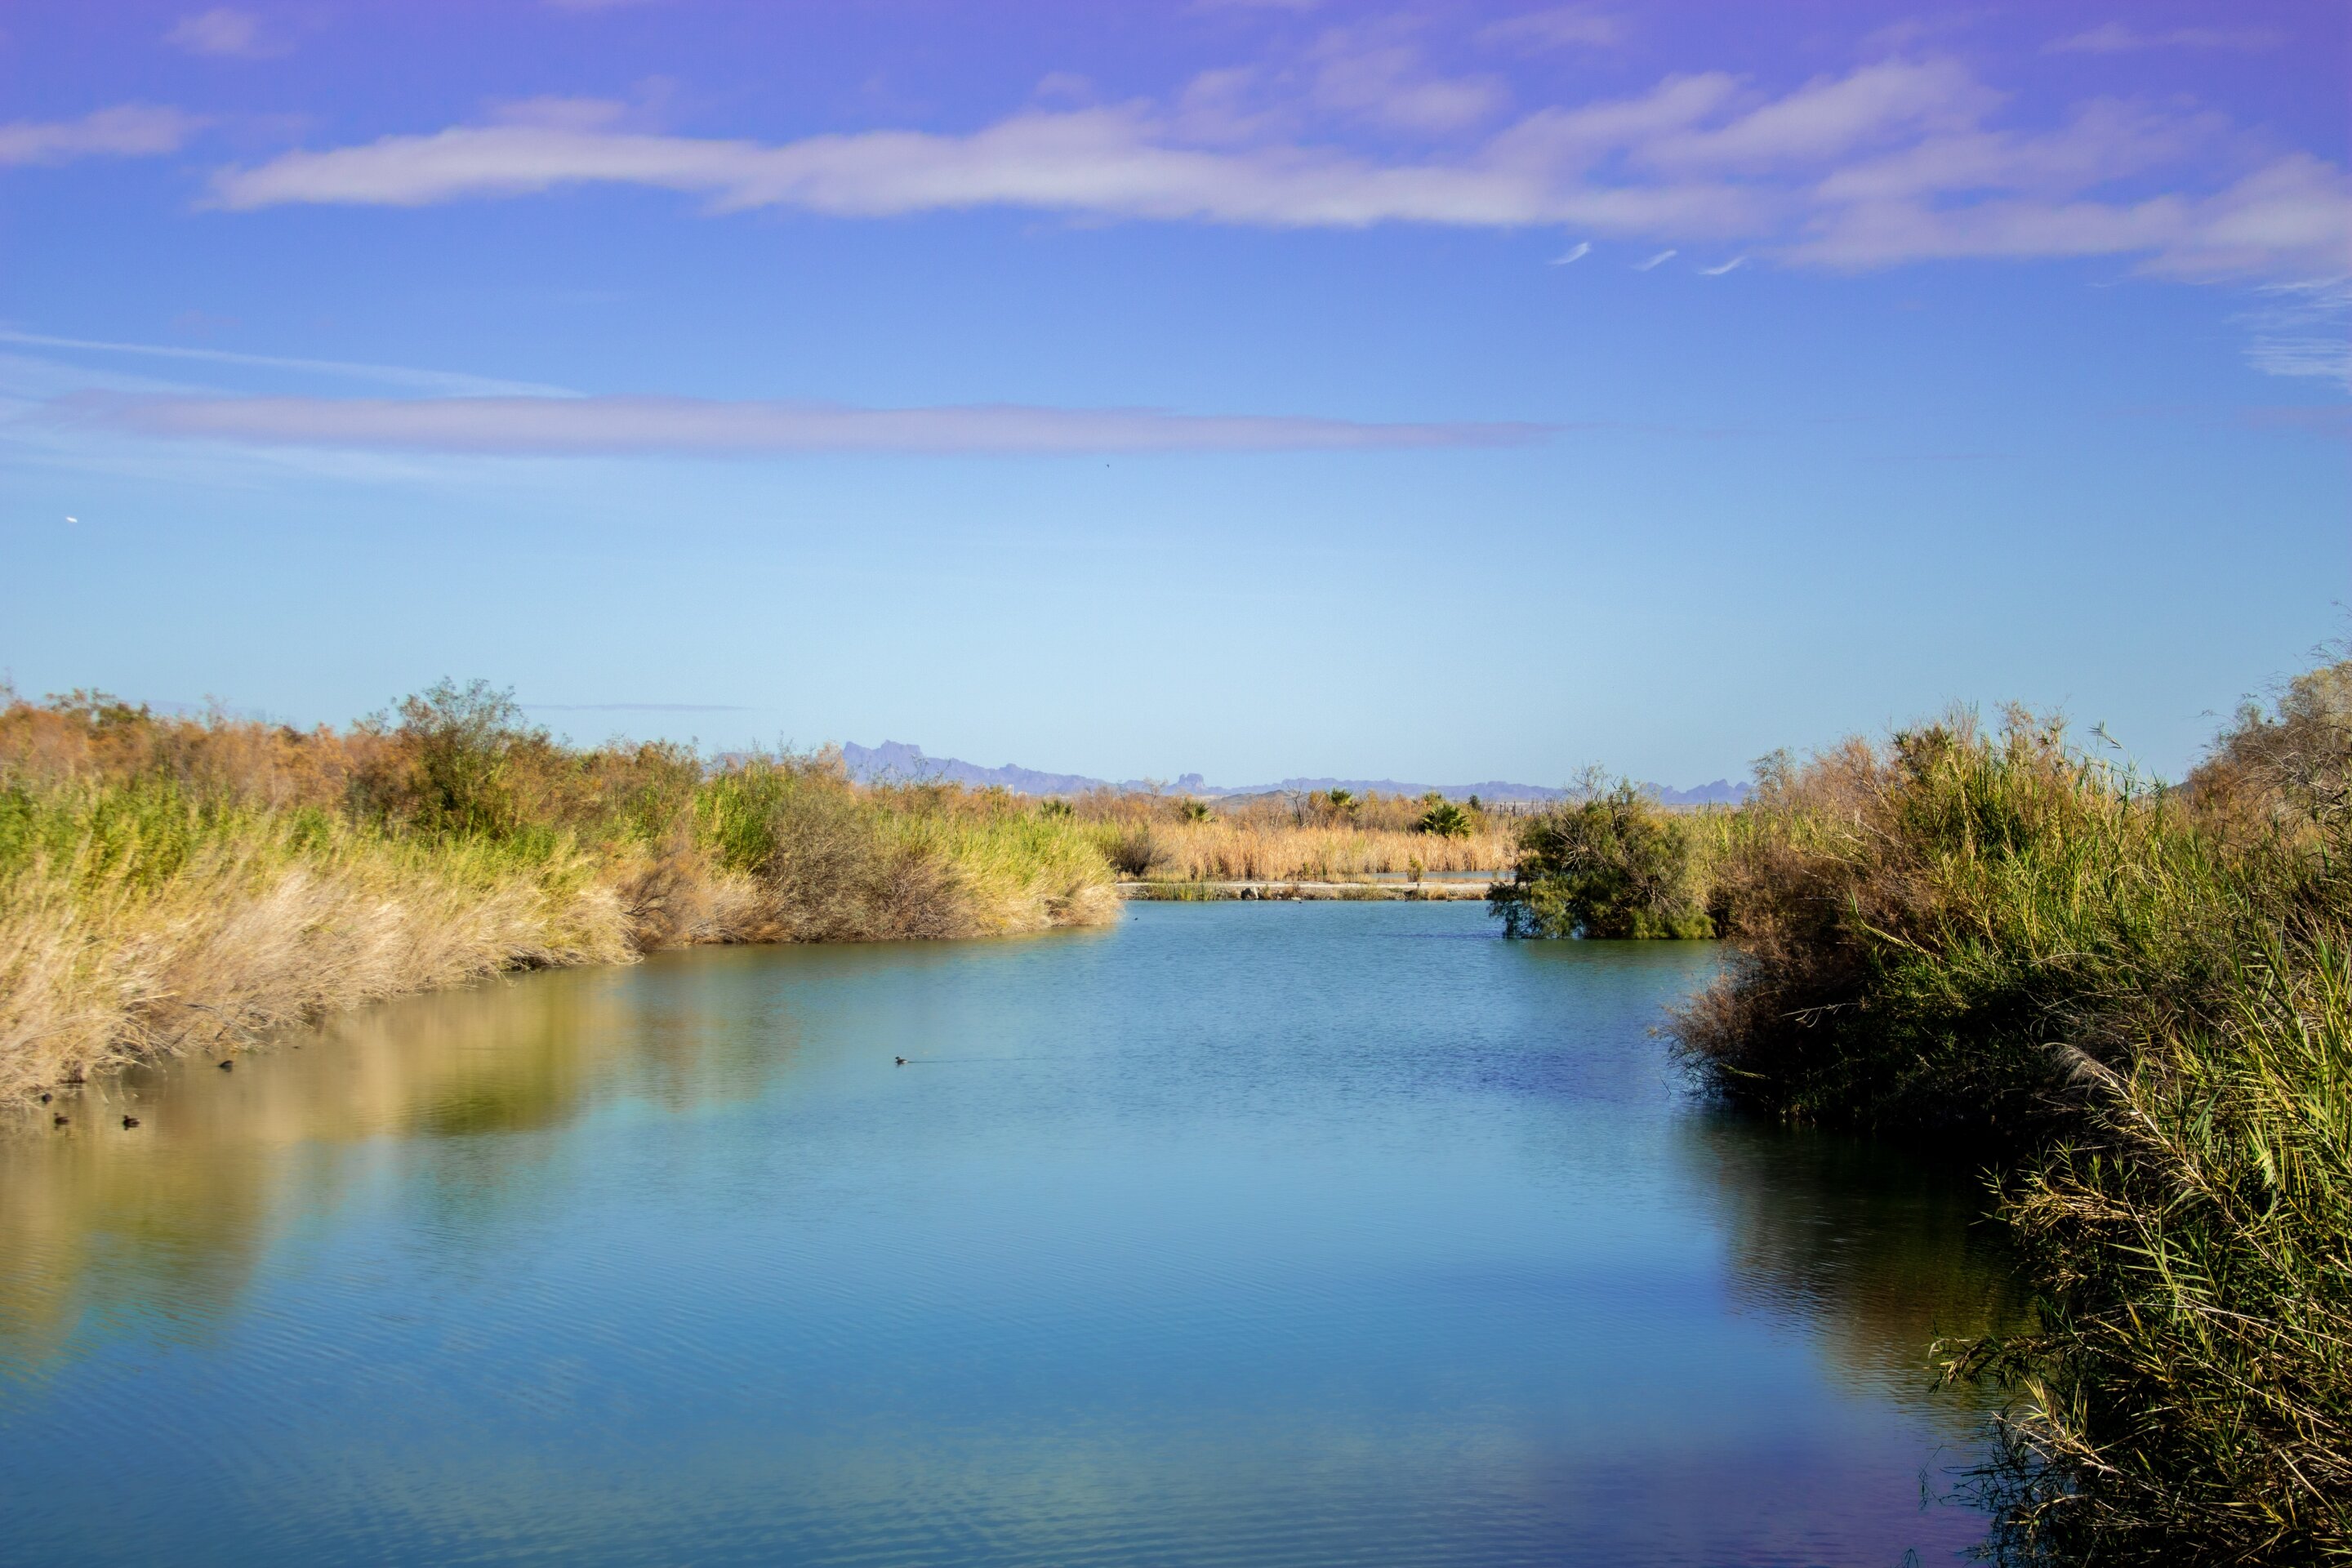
1315, 1234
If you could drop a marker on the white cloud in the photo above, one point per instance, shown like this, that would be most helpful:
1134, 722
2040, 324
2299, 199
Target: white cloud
1897, 161
1377, 75
2304, 329
1734, 265
1564, 27
595, 425
2105, 139
1831, 116
225, 33
2121, 37
1099, 161
128, 130
2293, 215
1658, 260
1578, 252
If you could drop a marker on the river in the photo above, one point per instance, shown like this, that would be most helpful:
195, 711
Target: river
1337, 1233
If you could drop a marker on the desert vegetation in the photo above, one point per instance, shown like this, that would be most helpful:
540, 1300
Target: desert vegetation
1611, 862
1323, 836
2135, 1005
172, 885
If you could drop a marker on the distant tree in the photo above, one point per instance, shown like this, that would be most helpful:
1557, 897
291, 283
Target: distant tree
460, 741
1443, 819
1612, 864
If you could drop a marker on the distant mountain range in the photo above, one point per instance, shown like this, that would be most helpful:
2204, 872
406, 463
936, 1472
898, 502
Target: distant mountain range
897, 761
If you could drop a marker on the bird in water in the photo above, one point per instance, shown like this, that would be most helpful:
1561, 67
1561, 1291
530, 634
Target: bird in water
129, 1122
226, 1066
60, 1119
45, 1096
902, 1061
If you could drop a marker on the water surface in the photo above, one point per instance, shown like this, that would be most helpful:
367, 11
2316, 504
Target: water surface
1239, 1234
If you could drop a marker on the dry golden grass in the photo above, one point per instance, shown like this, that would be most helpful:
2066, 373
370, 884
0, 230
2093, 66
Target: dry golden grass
172, 886
1292, 838
1218, 851
102, 962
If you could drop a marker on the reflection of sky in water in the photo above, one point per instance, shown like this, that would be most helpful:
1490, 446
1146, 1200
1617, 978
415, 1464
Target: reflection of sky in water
1308, 1233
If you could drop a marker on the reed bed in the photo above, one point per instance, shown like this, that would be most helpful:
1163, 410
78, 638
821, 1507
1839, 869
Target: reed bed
2136, 1003
170, 886
1241, 852
1318, 836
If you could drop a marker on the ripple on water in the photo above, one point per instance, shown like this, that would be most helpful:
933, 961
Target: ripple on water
1239, 1234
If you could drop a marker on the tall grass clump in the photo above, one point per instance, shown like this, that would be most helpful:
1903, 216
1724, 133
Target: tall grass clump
1612, 864
2133, 1002
170, 885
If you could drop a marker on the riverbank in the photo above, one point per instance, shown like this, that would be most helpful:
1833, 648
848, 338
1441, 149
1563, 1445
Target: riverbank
2135, 1005
170, 886
1426, 890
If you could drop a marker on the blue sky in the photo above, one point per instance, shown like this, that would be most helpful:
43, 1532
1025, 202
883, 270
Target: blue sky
1450, 392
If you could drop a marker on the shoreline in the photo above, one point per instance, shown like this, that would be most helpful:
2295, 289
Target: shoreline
1272, 891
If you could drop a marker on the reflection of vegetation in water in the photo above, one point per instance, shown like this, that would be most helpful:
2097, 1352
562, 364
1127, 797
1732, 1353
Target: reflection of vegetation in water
173, 885
101, 1226
1883, 1255
2135, 1004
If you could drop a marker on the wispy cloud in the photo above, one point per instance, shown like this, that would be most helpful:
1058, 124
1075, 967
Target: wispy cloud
2121, 37
2293, 215
1575, 253
1893, 162
1378, 74
2304, 329
1733, 265
228, 34
127, 130
599, 426
1560, 27
1658, 260
451, 382
2332, 421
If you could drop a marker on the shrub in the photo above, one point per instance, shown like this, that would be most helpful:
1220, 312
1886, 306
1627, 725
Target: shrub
1131, 850
1612, 865
1441, 818
1912, 928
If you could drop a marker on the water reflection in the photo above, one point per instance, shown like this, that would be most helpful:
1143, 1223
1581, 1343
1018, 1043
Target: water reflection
1312, 1233
162, 1223
1876, 1253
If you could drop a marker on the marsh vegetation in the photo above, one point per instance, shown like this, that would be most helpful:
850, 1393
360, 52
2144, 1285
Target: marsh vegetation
2130, 1004
1320, 836
2135, 1005
170, 885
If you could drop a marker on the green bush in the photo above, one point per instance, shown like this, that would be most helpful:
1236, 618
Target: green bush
460, 739
1612, 865
1441, 818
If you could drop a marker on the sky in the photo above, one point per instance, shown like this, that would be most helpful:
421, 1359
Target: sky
1247, 387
